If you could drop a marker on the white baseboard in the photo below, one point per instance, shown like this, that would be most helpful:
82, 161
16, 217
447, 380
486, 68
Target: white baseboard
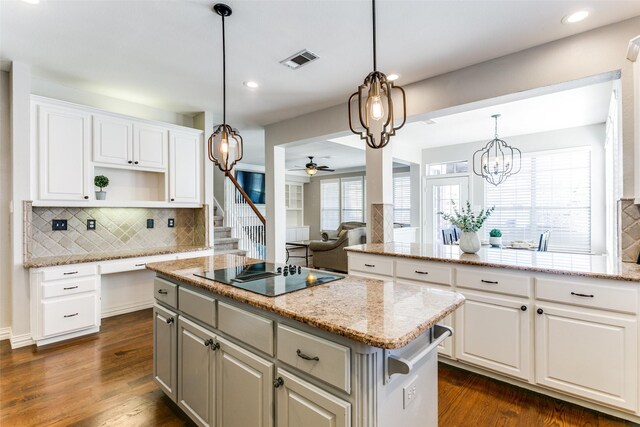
23, 340
115, 311
5, 333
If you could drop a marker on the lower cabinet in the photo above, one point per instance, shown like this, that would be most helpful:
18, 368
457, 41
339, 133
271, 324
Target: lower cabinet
494, 332
301, 404
588, 354
165, 350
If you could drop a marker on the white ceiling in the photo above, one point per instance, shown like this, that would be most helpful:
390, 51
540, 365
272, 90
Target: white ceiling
336, 156
167, 53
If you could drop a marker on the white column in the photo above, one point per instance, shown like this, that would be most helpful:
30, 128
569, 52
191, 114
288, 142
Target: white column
275, 205
21, 184
415, 177
379, 194
632, 55
204, 121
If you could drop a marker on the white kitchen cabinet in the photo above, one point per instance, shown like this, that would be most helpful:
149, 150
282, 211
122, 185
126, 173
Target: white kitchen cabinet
196, 372
165, 350
112, 140
588, 353
244, 387
184, 167
494, 332
301, 404
295, 234
150, 146
63, 141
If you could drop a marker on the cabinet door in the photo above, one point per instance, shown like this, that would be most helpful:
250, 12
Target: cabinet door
150, 146
244, 388
165, 350
196, 372
184, 167
112, 140
588, 354
63, 142
494, 332
301, 404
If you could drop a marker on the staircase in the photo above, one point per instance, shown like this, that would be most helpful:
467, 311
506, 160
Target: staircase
223, 243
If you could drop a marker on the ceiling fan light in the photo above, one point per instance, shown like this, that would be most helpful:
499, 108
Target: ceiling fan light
311, 171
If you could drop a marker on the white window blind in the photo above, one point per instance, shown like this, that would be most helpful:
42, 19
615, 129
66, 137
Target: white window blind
551, 192
352, 199
402, 198
329, 204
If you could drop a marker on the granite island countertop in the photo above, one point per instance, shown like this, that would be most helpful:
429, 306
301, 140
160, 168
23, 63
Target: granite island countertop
110, 255
378, 313
597, 266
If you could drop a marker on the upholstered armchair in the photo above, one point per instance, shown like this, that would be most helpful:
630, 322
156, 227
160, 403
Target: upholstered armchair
330, 254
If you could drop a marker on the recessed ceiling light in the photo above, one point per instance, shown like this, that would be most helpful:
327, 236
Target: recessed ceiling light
393, 77
251, 84
574, 17
31, 1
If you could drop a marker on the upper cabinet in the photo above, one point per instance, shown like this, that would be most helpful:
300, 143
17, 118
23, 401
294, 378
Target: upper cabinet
147, 163
64, 143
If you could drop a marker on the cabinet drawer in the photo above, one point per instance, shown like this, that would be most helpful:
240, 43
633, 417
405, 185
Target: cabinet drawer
69, 286
165, 292
69, 314
490, 281
596, 295
247, 327
198, 306
371, 264
325, 360
68, 271
424, 272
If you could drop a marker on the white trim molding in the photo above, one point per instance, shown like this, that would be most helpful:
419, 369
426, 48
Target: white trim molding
632, 55
5, 333
23, 340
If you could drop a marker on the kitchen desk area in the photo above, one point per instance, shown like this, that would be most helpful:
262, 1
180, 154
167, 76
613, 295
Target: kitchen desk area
350, 352
565, 325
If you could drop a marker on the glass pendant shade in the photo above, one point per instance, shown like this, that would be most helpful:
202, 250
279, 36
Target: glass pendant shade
497, 161
371, 109
225, 147
311, 171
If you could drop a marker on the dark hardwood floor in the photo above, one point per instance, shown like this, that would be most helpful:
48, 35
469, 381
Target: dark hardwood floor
105, 380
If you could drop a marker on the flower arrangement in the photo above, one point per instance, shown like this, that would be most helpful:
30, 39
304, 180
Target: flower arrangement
465, 219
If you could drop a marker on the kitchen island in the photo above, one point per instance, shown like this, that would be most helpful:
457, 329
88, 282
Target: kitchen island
352, 352
561, 324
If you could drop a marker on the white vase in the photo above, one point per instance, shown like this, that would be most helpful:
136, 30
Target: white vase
496, 242
469, 242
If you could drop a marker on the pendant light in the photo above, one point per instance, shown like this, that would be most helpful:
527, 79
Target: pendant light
225, 143
375, 103
497, 161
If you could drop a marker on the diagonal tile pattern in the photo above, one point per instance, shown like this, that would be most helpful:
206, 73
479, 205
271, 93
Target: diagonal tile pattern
629, 230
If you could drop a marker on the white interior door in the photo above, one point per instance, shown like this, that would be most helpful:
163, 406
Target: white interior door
440, 195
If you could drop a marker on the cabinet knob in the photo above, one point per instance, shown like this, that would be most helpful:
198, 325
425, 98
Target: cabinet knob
215, 346
207, 343
135, 163
173, 200
170, 320
86, 197
129, 162
540, 311
278, 382
523, 308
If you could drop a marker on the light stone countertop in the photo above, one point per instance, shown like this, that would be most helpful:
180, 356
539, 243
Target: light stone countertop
106, 256
378, 313
597, 266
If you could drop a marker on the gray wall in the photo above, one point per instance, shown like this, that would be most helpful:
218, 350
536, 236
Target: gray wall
5, 198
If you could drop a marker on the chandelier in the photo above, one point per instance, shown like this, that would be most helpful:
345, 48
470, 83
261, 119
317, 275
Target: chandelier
375, 103
225, 143
497, 161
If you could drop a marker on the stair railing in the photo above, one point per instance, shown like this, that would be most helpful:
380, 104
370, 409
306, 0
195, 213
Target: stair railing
246, 221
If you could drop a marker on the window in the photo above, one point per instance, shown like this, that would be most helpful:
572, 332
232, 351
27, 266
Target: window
402, 198
448, 168
551, 192
341, 200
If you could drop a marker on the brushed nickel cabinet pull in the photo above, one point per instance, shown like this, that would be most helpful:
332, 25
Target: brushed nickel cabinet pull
71, 315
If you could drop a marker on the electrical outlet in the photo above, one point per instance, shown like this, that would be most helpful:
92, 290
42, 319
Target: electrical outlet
171, 223
58, 224
409, 393
149, 223
91, 224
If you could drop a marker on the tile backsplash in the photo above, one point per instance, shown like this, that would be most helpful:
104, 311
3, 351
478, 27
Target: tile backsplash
629, 230
116, 229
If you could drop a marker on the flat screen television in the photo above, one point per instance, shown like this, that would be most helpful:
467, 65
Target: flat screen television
253, 184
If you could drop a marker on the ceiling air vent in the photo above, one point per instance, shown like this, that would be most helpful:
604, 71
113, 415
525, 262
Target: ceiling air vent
299, 59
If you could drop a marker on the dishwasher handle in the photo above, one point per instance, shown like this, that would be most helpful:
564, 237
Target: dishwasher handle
402, 365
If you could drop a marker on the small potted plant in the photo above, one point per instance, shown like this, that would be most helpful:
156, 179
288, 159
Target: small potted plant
495, 238
469, 222
101, 182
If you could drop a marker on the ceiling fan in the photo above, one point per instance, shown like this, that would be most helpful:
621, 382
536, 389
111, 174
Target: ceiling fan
312, 168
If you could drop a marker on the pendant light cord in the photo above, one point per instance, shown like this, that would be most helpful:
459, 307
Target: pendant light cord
224, 76
375, 62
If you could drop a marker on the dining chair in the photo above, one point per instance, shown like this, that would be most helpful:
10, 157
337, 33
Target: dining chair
449, 236
543, 244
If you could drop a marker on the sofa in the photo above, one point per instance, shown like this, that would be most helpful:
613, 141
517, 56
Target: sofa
330, 254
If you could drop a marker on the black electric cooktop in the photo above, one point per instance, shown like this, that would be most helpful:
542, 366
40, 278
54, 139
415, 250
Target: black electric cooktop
270, 279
